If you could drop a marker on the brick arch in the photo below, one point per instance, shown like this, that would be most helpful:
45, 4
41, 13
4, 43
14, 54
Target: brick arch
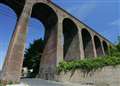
98, 46
53, 37
8, 65
71, 40
87, 43
105, 47
47, 16
16, 5
13, 17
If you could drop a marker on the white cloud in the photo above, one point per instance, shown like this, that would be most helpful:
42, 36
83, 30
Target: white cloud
84, 9
3, 50
116, 23
2, 54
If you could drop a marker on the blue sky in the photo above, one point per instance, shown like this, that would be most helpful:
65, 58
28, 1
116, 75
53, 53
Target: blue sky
101, 15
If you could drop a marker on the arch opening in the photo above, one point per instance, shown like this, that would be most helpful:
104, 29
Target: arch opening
105, 46
87, 44
71, 40
98, 46
6, 30
47, 16
34, 48
16, 5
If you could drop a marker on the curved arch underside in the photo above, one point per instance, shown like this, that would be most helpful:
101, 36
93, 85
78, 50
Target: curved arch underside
16, 5
87, 44
105, 46
71, 40
98, 46
48, 17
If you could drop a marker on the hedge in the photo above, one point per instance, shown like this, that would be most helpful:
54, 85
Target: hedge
89, 64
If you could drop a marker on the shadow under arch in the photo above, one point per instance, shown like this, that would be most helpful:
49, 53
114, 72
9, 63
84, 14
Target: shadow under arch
105, 47
98, 46
45, 14
87, 43
16, 5
71, 40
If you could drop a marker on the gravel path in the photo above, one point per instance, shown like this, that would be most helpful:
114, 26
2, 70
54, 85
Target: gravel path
39, 82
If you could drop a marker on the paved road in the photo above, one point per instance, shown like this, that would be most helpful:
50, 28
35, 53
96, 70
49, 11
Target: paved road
39, 82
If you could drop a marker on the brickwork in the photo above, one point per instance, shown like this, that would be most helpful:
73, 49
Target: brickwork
52, 17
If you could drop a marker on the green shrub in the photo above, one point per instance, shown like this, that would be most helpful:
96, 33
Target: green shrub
1, 83
89, 64
10, 82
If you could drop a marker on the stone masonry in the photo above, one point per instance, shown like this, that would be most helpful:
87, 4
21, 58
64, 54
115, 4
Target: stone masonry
66, 38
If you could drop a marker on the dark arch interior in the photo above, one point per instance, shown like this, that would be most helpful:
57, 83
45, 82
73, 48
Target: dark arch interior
98, 46
16, 5
47, 16
70, 33
87, 43
105, 46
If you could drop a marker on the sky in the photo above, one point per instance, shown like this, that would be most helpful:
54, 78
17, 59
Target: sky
101, 15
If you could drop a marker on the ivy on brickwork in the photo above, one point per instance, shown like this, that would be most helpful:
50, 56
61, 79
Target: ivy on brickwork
88, 65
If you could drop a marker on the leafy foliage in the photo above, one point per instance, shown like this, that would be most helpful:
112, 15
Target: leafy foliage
1, 84
115, 50
89, 64
33, 56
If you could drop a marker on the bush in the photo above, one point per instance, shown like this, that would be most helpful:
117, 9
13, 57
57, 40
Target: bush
89, 64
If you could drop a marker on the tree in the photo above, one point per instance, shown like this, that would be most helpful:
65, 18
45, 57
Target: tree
118, 45
115, 50
33, 56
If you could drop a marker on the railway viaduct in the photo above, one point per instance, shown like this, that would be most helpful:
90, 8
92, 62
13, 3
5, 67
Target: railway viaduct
66, 38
